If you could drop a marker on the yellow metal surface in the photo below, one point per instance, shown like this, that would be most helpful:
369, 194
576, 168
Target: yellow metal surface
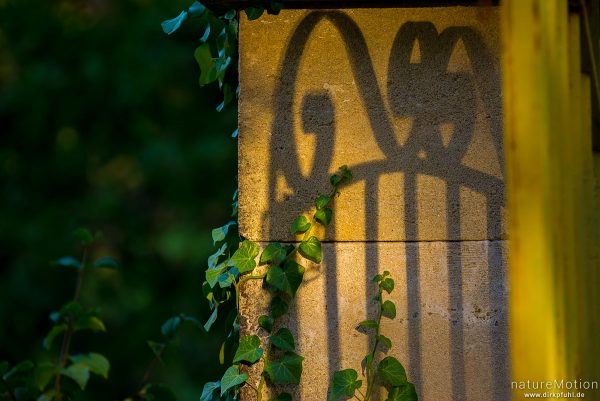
553, 250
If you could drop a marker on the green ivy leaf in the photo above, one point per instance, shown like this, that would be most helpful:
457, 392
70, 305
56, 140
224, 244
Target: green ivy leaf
106, 263
79, 373
282, 397
42, 375
249, 350
391, 372
274, 253
311, 249
254, 12
211, 320
299, 225
229, 15
231, 378
157, 349
170, 327
335, 179
220, 233
286, 279
368, 324
92, 323
387, 285
172, 25
227, 278
283, 339
67, 261
385, 341
324, 216
197, 9
266, 322
21, 368
344, 384
206, 62
213, 274
406, 392
366, 363
50, 395
388, 309
276, 7
213, 259
322, 201
54, 332
96, 363
286, 369
345, 171
71, 309
84, 235
244, 258
208, 392
278, 307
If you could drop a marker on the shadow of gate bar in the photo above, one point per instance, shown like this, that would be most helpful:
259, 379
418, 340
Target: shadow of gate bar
413, 90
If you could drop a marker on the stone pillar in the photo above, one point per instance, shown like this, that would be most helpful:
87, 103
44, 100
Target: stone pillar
409, 99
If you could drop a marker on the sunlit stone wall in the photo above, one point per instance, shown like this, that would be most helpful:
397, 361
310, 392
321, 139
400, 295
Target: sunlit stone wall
410, 100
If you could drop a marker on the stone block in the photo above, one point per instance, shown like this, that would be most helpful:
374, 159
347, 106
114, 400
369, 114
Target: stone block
451, 326
409, 99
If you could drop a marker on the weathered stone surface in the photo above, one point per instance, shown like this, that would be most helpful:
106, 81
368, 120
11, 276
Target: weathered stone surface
451, 326
408, 98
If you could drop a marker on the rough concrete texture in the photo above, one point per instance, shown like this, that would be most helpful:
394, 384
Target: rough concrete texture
451, 326
408, 98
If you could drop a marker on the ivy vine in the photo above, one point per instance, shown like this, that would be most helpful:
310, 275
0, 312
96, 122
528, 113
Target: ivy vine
279, 268
227, 272
389, 371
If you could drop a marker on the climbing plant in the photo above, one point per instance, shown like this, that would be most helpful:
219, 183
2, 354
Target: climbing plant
44, 381
234, 262
389, 371
280, 268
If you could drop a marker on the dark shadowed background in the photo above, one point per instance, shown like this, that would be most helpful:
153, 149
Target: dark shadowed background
103, 125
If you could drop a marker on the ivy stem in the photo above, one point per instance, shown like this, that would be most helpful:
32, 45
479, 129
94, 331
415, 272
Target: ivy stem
261, 383
371, 370
313, 221
237, 285
66, 343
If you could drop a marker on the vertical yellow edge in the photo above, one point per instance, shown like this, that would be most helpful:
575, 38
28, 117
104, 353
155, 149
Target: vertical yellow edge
535, 54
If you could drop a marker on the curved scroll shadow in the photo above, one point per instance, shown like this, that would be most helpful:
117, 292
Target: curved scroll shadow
431, 95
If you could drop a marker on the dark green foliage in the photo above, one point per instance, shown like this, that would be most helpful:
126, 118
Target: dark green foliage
103, 125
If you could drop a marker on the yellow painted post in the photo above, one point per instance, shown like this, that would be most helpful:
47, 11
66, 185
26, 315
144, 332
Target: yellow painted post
591, 163
553, 221
535, 84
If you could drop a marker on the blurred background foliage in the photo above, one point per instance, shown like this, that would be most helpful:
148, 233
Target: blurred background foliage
103, 125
